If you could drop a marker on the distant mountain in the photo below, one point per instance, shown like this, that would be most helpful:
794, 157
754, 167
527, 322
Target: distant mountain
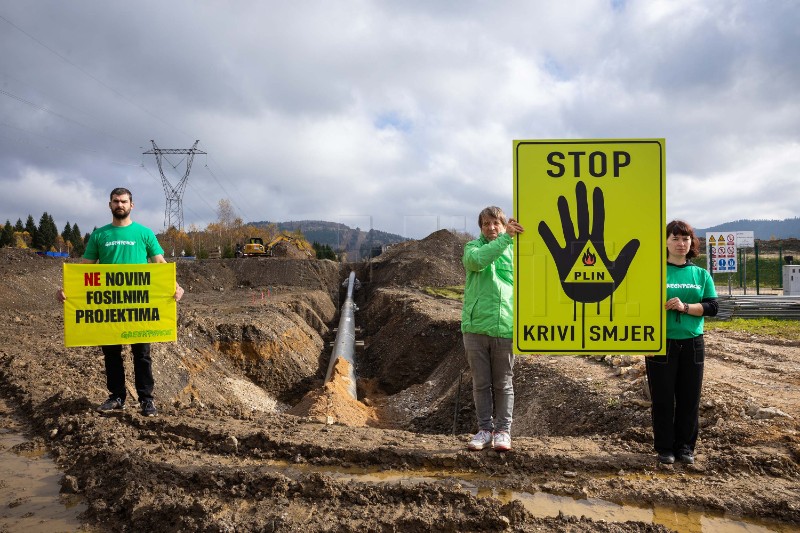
340, 237
762, 229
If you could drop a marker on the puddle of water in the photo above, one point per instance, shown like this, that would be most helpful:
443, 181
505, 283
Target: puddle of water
544, 505
30, 498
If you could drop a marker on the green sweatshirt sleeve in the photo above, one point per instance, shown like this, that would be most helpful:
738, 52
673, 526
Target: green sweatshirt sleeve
477, 256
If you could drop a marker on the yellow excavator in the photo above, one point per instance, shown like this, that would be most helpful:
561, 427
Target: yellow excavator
253, 248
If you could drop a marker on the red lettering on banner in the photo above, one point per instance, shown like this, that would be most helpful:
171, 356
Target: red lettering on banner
91, 279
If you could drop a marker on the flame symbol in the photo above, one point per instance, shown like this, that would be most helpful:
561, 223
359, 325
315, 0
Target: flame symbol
589, 259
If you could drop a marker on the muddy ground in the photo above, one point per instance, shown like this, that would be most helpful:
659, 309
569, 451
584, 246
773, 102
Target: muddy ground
249, 439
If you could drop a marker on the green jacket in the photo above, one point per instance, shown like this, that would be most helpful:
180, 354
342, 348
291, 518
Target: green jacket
489, 288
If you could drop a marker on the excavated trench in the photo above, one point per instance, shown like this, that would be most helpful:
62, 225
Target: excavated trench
411, 370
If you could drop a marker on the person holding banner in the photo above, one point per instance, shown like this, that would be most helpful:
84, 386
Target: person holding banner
125, 242
486, 325
675, 379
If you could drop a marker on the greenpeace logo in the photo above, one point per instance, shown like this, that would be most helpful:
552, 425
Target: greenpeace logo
146, 333
683, 286
120, 243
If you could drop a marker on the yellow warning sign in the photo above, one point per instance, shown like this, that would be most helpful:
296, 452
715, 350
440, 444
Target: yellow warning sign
119, 304
590, 267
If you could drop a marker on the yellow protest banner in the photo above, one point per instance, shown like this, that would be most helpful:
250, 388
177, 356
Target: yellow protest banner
119, 304
590, 267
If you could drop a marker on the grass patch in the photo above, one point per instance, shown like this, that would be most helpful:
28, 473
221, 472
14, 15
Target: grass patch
450, 293
784, 329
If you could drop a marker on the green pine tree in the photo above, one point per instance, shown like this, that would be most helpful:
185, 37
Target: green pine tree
30, 227
45, 237
53, 230
78, 243
66, 235
7, 235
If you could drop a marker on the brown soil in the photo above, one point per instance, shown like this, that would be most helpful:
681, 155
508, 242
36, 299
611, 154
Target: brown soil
249, 439
290, 251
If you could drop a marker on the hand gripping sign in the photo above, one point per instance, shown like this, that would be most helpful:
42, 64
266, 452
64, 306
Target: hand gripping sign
119, 304
609, 254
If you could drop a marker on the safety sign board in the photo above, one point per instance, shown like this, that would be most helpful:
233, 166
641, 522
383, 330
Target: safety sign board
119, 304
721, 252
590, 267
745, 239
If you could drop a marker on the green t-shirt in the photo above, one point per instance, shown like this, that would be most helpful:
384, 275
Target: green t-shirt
122, 245
691, 284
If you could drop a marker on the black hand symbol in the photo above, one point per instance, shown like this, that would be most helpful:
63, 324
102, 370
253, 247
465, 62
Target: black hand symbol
565, 258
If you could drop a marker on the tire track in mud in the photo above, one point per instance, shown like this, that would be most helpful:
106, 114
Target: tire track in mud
769, 373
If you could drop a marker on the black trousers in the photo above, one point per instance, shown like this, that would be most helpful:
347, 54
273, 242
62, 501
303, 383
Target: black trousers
142, 371
675, 381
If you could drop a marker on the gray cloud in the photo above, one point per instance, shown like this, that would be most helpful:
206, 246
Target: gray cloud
399, 115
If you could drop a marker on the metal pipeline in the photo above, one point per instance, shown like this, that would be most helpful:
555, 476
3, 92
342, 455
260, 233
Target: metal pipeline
344, 346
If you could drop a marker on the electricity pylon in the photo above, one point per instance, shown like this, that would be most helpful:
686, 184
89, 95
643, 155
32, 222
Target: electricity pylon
173, 215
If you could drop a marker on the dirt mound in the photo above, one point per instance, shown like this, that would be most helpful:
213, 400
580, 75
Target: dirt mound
333, 403
288, 250
18, 255
434, 261
267, 274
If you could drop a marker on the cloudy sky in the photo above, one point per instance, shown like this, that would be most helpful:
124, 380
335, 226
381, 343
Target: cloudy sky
394, 115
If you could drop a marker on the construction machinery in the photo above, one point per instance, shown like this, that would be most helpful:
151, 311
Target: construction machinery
300, 244
253, 248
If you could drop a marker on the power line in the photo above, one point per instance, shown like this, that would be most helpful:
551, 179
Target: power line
189, 186
239, 195
72, 107
59, 115
226, 192
195, 213
75, 148
86, 73
117, 93
174, 194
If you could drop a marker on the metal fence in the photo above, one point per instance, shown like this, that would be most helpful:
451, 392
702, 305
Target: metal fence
760, 268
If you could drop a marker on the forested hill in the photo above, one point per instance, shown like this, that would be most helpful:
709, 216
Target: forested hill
338, 236
762, 229
356, 241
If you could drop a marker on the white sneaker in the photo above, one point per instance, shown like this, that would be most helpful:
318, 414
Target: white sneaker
502, 441
481, 440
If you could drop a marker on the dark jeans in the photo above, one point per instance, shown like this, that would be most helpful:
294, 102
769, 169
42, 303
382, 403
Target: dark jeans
142, 371
675, 381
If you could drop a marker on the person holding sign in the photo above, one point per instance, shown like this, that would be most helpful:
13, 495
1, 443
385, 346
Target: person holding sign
487, 325
675, 379
125, 242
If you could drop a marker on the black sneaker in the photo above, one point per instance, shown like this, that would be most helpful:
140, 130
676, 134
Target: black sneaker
148, 407
112, 404
686, 458
666, 458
